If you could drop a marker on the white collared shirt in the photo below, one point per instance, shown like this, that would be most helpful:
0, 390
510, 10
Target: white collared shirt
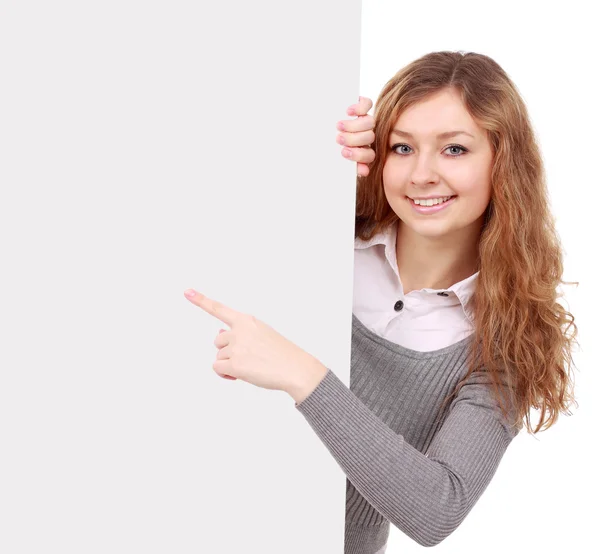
425, 321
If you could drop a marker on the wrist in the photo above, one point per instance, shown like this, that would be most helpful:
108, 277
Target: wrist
307, 382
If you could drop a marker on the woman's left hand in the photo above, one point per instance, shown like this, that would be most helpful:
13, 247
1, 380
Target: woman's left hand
254, 352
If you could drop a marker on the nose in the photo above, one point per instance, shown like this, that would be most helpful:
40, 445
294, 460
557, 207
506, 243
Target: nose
424, 170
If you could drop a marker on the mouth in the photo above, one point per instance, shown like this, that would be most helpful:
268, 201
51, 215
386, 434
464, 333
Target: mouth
451, 196
433, 208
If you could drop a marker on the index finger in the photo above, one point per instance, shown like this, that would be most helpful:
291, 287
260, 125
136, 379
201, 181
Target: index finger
361, 107
214, 308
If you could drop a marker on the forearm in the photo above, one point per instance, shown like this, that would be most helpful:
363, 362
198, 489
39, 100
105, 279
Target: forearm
426, 496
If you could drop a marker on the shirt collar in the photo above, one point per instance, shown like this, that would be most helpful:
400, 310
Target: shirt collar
387, 237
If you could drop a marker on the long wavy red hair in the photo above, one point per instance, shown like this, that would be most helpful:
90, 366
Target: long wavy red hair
521, 330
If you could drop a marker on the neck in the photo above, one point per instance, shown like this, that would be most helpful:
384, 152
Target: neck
436, 262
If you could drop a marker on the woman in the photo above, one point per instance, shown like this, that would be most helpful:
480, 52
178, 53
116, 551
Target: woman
456, 328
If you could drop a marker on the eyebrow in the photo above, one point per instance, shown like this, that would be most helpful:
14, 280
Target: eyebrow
445, 135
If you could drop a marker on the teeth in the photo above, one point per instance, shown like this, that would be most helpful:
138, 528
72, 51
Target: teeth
431, 201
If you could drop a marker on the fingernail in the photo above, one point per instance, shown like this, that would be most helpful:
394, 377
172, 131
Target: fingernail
347, 153
351, 111
340, 139
340, 126
190, 292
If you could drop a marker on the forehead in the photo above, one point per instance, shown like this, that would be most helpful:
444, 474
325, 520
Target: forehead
438, 113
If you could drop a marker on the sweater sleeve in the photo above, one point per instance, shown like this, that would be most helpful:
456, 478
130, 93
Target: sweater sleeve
426, 496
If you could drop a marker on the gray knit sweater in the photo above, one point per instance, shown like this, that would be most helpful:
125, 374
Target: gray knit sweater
401, 466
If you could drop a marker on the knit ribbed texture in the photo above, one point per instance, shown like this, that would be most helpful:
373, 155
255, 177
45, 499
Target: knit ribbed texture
401, 466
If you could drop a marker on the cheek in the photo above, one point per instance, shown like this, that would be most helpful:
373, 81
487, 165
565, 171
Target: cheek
393, 175
476, 197
470, 182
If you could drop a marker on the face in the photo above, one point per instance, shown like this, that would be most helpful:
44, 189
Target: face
424, 165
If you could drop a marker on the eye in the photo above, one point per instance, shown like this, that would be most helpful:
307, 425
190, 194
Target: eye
462, 149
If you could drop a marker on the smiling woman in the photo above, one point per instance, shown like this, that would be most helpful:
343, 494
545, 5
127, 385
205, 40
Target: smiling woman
427, 167
456, 327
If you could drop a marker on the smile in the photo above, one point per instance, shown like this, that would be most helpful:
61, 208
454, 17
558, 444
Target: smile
431, 209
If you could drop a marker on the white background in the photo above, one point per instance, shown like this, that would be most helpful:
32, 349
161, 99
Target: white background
542, 496
146, 148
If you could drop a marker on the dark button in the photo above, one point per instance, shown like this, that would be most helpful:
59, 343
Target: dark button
442, 294
398, 305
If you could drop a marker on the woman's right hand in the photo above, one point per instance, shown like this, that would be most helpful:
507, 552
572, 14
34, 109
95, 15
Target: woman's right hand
356, 134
